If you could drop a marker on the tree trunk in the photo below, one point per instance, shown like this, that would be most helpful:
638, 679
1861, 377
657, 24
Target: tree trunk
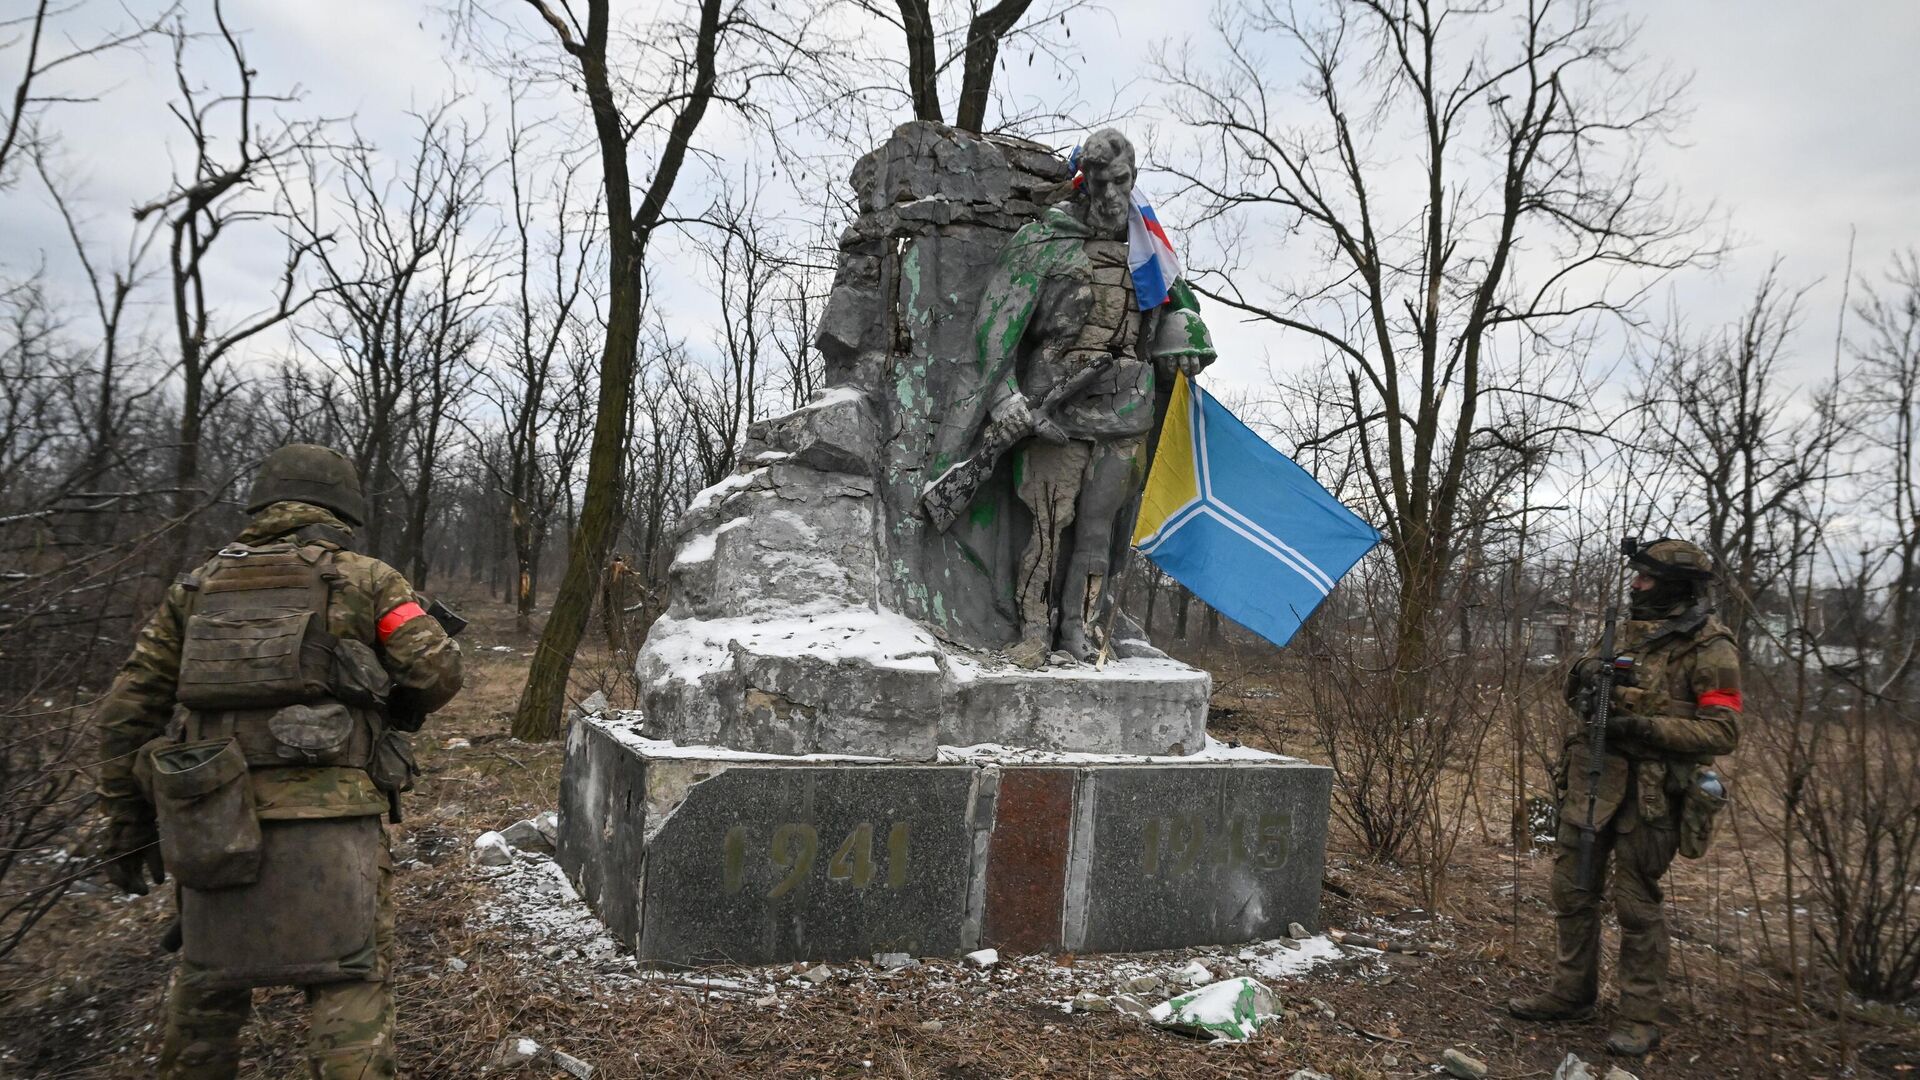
983, 48
923, 63
538, 715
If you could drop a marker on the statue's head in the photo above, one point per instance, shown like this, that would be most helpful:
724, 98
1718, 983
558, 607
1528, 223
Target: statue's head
1106, 162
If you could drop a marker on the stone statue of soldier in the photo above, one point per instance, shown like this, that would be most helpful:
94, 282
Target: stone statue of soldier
249, 747
1061, 298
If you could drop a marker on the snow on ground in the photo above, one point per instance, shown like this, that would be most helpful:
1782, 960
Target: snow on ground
531, 902
1214, 752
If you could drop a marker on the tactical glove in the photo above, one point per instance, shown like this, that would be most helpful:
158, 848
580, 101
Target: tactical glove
1628, 725
131, 854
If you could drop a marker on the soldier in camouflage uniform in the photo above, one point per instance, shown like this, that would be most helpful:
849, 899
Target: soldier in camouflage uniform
302, 858
1676, 705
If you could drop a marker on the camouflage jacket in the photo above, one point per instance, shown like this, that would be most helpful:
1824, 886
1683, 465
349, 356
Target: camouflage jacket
417, 653
1686, 685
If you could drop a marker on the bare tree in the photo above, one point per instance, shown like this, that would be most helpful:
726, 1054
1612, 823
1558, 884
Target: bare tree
1889, 375
205, 204
1474, 203
32, 35
528, 380
1745, 452
725, 52
971, 39
404, 290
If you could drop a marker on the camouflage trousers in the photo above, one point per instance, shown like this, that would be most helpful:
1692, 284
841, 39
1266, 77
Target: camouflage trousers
349, 1024
1638, 859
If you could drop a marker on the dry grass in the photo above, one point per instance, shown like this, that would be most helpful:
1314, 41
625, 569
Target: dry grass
83, 999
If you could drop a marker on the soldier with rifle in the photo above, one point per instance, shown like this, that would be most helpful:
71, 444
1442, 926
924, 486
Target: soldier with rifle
249, 747
1658, 702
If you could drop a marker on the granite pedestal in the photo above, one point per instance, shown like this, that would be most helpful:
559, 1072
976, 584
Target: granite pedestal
708, 856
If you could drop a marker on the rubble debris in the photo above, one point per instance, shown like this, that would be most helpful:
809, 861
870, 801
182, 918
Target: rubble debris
1143, 984
527, 836
818, 974
1459, 1063
454, 963
515, 1052
1230, 1010
1196, 973
1129, 1005
1296, 931
1089, 1002
1572, 1068
456, 743
983, 958
1411, 948
1308, 1074
894, 961
492, 849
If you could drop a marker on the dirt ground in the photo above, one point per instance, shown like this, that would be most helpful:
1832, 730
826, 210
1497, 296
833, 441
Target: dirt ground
83, 998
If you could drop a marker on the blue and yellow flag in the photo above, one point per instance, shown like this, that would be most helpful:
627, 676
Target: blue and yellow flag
1241, 525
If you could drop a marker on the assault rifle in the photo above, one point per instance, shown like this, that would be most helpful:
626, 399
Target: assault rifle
1599, 709
1599, 705
948, 496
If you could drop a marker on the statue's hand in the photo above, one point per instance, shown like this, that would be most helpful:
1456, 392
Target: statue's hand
1013, 410
1047, 431
1193, 365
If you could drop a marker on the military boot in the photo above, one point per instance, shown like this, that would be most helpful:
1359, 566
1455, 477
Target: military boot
1632, 1038
1548, 1007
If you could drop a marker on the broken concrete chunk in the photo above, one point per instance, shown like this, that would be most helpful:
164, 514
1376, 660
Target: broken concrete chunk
1459, 1063
548, 823
1090, 1002
1308, 1074
1296, 931
817, 975
592, 705
984, 958
454, 963
491, 849
1196, 974
1128, 1005
568, 1064
894, 961
1572, 1068
1143, 984
527, 836
1230, 1010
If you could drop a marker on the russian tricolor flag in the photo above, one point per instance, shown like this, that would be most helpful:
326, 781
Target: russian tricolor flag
1149, 255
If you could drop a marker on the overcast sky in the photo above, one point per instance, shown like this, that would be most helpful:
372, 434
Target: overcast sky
1803, 127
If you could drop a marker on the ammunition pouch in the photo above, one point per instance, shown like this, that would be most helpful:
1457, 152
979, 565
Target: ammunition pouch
392, 766
309, 917
1698, 808
209, 832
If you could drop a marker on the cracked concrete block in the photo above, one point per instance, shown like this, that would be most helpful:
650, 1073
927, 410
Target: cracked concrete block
697, 855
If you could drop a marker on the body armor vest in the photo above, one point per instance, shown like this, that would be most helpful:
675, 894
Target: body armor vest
259, 664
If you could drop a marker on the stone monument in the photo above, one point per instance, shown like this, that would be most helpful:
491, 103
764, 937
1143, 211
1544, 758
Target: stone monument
889, 708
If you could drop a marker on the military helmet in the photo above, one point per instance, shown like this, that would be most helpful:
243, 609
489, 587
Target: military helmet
308, 473
1181, 335
1672, 560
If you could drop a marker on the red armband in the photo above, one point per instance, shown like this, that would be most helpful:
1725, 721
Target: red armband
1729, 698
397, 618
